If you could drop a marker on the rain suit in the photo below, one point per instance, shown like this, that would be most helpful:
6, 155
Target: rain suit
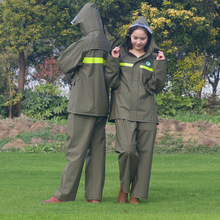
134, 81
88, 108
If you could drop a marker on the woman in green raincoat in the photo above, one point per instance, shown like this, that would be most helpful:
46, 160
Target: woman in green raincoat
135, 72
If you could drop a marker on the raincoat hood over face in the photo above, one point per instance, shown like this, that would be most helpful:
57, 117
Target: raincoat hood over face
88, 19
91, 26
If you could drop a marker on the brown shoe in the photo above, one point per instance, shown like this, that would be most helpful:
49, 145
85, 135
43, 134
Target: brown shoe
92, 201
133, 200
122, 196
52, 200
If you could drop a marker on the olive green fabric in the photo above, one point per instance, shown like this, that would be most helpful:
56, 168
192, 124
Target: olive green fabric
134, 81
89, 94
135, 143
88, 108
86, 139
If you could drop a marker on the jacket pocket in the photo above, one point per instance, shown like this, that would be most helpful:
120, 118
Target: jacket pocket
147, 103
145, 76
121, 89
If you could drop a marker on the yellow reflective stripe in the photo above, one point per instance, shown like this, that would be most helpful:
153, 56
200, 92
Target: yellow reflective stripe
94, 60
146, 67
127, 64
141, 66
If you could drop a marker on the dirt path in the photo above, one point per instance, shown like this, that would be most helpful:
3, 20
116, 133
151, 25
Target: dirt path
200, 132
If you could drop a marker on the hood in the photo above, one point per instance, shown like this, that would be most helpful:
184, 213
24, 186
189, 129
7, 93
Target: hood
142, 22
88, 19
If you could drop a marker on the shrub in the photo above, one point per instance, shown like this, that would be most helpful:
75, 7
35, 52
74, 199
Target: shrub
44, 103
3, 109
169, 104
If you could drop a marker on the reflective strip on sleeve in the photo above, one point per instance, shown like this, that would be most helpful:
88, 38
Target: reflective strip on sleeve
94, 60
146, 67
127, 64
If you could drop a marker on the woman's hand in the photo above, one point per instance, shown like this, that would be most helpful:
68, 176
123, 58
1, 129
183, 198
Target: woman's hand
116, 52
160, 56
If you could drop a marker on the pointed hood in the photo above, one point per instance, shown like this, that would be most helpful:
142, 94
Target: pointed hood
91, 26
89, 19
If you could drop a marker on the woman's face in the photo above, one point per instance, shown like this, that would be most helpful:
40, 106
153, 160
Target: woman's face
139, 39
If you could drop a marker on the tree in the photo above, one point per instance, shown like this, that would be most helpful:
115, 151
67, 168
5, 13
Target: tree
115, 14
21, 26
58, 32
30, 26
8, 90
187, 79
213, 73
31, 30
212, 52
49, 71
179, 30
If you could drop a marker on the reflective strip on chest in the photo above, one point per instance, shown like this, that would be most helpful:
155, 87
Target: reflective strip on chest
146, 67
94, 60
141, 66
127, 64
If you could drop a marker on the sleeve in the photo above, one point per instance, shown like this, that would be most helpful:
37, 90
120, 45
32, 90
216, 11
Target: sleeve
72, 57
112, 70
159, 77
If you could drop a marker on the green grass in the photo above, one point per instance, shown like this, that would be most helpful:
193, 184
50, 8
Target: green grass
183, 186
192, 116
44, 134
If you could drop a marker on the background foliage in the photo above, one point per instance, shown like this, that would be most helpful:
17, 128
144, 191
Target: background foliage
33, 34
44, 102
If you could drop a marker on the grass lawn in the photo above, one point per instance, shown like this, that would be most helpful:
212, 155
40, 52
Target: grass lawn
183, 186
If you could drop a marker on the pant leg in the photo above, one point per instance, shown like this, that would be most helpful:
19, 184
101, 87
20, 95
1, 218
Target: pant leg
126, 147
145, 144
79, 132
95, 162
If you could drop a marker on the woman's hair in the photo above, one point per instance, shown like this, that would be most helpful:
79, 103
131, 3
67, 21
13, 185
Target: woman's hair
128, 37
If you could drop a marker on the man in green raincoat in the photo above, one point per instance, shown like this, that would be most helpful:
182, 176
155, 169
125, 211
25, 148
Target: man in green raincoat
88, 108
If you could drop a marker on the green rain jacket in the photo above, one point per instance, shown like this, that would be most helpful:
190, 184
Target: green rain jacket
134, 81
85, 59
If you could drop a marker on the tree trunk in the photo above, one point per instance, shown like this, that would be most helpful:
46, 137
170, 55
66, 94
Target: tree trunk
21, 77
10, 111
214, 84
10, 95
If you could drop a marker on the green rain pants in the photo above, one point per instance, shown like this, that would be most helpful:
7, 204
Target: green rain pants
86, 140
135, 143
